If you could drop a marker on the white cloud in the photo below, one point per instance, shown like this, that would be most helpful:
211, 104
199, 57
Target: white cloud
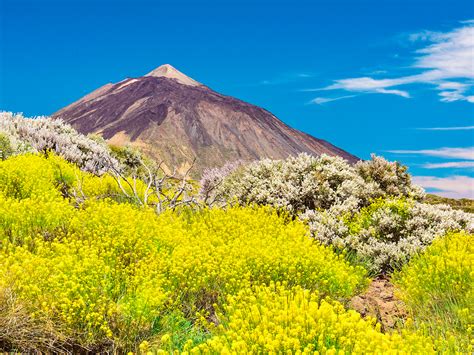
461, 128
323, 100
370, 85
394, 92
447, 63
449, 85
456, 153
452, 186
450, 55
450, 164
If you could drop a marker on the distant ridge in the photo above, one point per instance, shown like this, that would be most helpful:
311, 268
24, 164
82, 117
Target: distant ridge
176, 119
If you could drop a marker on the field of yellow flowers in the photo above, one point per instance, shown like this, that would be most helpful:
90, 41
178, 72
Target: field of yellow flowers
101, 274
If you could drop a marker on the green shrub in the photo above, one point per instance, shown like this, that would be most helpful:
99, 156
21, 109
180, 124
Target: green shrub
438, 288
6, 149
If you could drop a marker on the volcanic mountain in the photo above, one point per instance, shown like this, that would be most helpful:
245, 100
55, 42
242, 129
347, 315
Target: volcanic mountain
176, 119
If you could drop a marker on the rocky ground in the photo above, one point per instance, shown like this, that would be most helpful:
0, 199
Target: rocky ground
380, 302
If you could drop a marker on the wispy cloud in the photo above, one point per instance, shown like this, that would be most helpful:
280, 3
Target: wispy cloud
424, 35
370, 85
323, 100
450, 165
456, 153
446, 62
453, 186
460, 128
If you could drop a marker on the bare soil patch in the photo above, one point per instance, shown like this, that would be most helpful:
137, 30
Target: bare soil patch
380, 302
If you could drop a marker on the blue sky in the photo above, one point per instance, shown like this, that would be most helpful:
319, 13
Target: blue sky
391, 77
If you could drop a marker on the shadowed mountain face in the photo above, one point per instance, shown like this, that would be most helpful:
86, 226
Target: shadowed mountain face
175, 119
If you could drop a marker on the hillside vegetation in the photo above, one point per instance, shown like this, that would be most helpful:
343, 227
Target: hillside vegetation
264, 259
464, 204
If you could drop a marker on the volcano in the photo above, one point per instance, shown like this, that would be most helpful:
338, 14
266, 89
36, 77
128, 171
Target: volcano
175, 119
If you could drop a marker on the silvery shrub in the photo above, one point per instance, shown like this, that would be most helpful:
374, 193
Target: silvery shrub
306, 182
43, 134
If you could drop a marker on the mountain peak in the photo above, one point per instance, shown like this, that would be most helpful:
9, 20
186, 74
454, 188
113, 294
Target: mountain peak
168, 71
174, 120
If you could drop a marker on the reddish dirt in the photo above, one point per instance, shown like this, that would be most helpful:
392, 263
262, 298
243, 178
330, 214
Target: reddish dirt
380, 302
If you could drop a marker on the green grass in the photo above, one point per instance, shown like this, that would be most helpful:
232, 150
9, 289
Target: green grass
438, 289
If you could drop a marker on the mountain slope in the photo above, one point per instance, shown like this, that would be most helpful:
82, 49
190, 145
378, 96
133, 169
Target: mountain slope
175, 119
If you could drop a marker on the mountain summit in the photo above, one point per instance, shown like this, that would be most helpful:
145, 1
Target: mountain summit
175, 119
170, 72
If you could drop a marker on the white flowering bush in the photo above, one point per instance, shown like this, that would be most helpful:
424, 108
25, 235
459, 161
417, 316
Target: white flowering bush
388, 178
388, 232
42, 134
306, 182
212, 178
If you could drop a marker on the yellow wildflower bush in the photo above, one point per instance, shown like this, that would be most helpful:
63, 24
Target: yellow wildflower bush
117, 272
41, 176
102, 275
275, 319
30, 201
226, 250
123, 234
66, 285
28, 176
87, 282
22, 220
106, 186
438, 288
